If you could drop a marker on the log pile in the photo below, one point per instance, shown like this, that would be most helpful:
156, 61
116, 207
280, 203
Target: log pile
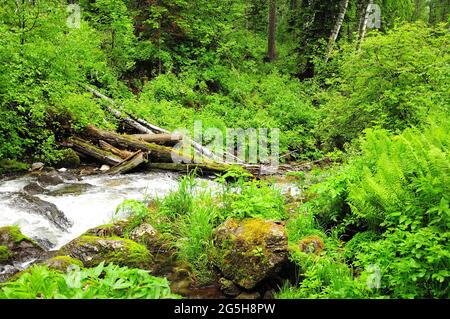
148, 146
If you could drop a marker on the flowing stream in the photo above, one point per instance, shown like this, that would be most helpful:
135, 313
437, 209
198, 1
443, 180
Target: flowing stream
86, 203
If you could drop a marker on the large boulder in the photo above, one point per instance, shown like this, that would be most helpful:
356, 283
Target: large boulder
92, 250
251, 250
35, 205
16, 247
16, 252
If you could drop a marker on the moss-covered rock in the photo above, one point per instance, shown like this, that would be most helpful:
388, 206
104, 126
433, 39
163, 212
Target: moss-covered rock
92, 250
144, 233
70, 159
5, 254
311, 245
11, 166
17, 246
147, 235
62, 263
250, 251
116, 229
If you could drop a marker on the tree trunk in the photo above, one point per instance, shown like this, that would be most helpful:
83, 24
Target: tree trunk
363, 30
108, 147
337, 27
85, 148
272, 30
127, 165
156, 152
117, 114
162, 139
201, 169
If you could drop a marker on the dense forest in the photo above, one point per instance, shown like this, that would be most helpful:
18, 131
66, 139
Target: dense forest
359, 91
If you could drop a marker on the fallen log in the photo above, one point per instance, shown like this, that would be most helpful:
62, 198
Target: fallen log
127, 165
84, 147
163, 139
157, 153
201, 169
117, 114
144, 127
108, 147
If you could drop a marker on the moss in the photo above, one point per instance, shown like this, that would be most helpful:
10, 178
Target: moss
5, 254
10, 166
70, 159
63, 262
109, 230
12, 234
92, 250
311, 245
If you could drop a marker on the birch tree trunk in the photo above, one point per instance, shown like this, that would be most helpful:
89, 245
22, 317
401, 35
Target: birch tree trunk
363, 30
337, 27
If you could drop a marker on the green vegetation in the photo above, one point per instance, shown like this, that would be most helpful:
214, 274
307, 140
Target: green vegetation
101, 282
5, 254
373, 222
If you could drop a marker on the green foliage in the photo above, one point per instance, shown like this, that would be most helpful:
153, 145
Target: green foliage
41, 64
398, 188
7, 166
195, 232
5, 254
389, 83
255, 199
404, 181
101, 282
224, 98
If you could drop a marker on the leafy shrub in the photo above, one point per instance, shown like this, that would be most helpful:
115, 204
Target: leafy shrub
254, 199
390, 83
101, 282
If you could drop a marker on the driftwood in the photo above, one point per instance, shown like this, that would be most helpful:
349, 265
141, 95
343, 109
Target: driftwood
108, 147
128, 164
157, 153
85, 148
163, 139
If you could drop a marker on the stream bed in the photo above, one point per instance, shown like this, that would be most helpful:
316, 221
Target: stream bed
85, 203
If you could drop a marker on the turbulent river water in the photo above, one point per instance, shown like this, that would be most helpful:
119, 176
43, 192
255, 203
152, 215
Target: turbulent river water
86, 203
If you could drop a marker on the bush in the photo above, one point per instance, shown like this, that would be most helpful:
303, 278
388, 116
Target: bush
101, 282
390, 83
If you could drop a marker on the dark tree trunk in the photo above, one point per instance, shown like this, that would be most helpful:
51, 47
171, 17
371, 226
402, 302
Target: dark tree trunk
272, 30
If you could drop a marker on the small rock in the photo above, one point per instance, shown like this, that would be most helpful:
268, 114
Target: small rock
109, 230
311, 245
249, 295
33, 189
105, 168
147, 235
50, 178
62, 170
35, 205
71, 189
36, 166
70, 159
229, 288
